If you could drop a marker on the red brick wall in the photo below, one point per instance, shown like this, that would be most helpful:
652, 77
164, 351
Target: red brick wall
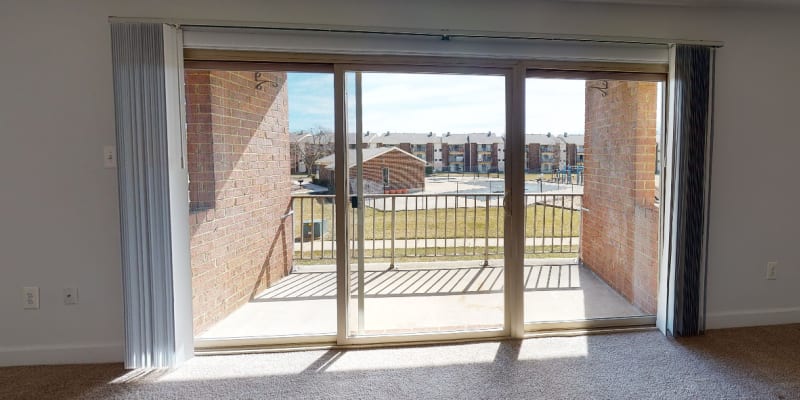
572, 154
619, 237
405, 171
239, 245
429, 153
199, 140
471, 158
494, 155
534, 162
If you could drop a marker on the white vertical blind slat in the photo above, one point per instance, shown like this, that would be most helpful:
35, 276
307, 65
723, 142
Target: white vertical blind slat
141, 131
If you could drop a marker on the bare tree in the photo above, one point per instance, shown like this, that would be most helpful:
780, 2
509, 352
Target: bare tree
313, 146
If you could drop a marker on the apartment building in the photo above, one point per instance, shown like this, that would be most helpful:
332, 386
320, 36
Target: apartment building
485, 152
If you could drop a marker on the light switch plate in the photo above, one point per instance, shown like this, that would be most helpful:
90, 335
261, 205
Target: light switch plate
30, 298
109, 157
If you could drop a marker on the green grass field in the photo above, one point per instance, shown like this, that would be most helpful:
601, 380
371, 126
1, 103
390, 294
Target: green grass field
541, 221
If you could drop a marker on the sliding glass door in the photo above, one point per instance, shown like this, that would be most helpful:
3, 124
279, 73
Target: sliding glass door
425, 187
592, 199
374, 203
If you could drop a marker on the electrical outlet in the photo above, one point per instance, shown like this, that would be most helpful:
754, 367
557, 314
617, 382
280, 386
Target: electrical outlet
70, 296
771, 270
30, 298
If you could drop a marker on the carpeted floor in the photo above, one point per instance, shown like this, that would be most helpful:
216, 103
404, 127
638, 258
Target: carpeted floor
749, 363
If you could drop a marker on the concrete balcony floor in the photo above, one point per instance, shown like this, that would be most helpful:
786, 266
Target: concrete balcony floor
423, 297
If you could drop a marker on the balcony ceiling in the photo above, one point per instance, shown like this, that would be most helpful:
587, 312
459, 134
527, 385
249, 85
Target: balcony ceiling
701, 3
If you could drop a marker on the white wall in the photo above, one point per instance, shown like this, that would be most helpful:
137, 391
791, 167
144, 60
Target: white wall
60, 219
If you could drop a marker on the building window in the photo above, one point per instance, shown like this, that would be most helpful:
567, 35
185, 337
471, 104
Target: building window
386, 177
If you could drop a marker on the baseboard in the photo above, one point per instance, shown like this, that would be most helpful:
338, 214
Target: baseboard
66, 354
738, 319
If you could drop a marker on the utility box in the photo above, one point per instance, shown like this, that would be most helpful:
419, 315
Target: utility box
314, 229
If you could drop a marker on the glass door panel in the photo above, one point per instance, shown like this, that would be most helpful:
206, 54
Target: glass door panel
261, 214
591, 199
425, 167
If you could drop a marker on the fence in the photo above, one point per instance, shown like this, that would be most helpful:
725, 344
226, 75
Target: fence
400, 226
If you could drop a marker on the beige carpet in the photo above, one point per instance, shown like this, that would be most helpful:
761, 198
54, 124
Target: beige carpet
751, 363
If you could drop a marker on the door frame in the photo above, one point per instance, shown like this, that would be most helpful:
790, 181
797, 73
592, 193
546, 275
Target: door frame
511, 275
515, 71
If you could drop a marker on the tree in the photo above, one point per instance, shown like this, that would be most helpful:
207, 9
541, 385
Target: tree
310, 147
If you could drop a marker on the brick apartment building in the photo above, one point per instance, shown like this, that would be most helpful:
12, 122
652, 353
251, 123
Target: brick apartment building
460, 152
386, 170
485, 152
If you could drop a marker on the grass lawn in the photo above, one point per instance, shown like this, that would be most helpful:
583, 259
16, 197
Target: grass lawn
469, 222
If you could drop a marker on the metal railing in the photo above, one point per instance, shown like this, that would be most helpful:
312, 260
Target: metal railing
466, 225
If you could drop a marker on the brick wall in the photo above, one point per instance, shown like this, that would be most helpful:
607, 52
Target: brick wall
199, 141
471, 157
619, 237
405, 171
429, 153
572, 154
534, 163
494, 156
238, 143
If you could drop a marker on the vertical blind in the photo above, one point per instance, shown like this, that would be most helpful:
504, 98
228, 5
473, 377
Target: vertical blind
693, 78
141, 134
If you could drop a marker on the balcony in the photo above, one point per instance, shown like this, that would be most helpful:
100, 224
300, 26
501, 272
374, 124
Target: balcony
456, 149
445, 250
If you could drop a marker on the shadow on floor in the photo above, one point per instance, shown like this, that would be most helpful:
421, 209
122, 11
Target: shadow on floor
757, 363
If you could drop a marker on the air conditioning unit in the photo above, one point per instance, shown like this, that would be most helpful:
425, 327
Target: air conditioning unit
314, 229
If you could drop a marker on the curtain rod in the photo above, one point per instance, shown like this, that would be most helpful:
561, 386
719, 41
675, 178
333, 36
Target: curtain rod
444, 34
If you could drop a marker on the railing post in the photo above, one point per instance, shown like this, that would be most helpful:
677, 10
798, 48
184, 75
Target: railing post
391, 264
486, 234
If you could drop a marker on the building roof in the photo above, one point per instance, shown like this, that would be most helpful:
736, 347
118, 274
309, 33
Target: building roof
395, 138
367, 155
367, 138
479, 138
541, 139
572, 139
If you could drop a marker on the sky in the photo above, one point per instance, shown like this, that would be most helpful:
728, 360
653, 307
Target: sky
439, 103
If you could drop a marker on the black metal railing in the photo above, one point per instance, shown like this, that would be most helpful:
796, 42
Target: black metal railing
464, 225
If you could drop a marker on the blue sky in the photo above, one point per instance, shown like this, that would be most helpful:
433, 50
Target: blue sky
438, 103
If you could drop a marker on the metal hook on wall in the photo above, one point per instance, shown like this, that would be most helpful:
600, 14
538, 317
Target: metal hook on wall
260, 81
603, 88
